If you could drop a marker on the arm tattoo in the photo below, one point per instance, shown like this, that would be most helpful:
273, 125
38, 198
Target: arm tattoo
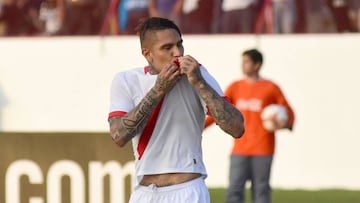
123, 129
225, 114
163, 84
138, 117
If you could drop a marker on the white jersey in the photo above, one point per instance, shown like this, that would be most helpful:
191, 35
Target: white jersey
174, 143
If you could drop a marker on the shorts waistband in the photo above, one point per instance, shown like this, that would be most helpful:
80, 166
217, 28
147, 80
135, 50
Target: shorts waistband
153, 187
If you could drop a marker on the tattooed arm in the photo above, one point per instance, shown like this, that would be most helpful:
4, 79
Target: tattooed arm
224, 113
227, 116
124, 128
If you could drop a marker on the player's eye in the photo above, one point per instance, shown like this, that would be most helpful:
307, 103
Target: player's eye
167, 47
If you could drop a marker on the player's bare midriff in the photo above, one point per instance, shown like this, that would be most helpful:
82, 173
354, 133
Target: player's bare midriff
167, 179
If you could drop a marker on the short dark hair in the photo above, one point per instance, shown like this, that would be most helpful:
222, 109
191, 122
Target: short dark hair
154, 24
254, 55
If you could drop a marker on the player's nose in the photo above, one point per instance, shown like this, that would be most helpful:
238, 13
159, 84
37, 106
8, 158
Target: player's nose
177, 51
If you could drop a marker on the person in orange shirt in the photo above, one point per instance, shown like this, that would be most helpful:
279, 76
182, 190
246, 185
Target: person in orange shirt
252, 155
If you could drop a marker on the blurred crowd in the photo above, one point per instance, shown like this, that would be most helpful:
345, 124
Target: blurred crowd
117, 17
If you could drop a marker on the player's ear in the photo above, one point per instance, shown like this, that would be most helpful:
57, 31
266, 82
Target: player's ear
146, 53
258, 66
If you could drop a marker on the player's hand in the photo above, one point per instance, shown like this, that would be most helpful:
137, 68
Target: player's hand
190, 67
167, 78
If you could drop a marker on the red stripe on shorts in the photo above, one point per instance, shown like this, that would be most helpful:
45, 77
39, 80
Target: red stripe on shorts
148, 130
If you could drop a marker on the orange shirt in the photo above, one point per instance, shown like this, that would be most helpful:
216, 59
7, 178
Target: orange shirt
251, 98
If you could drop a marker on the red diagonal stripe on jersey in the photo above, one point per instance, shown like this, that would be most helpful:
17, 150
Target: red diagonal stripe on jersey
148, 130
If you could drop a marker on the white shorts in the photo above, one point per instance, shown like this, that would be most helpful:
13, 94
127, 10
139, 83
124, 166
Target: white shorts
193, 191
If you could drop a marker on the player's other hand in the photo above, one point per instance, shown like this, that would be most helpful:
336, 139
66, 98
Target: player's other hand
167, 78
190, 67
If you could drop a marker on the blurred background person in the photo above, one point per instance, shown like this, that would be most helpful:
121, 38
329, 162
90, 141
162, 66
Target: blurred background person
78, 17
300, 17
319, 18
170, 9
340, 12
354, 14
252, 155
52, 16
20, 17
129, 14
264, 17
238, 16
284, 16
197, 16
83, 17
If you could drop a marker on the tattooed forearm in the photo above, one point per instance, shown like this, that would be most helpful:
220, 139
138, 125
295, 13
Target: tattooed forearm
163, 84
224, 113
124, 128
135, 120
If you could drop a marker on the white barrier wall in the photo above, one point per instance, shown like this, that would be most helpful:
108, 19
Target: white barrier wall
62, 84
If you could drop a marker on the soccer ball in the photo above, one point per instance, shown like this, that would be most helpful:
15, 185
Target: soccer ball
274, 115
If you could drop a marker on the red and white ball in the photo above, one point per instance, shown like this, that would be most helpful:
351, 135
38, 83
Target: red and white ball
274, 115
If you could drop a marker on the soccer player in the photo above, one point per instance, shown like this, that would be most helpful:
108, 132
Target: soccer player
161, 108
252, 155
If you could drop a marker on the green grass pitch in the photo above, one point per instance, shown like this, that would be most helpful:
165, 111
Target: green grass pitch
297, 196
